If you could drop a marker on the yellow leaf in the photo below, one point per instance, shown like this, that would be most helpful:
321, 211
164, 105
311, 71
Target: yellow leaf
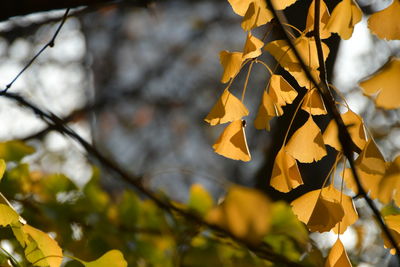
8, 216
389, 186
199, 199
393, 222
306, 145
385, 23
355, 126
345, 15
282, 4
252, 48
41, 249
319, 212
371, 160
383, 86
256, 15
232, 142
370, 182
228, 108
266, 112
240, 6
337, 256
324, 18
281, 92
112, 258
285, 174
2, 168
231, 62
244, 212
313, 103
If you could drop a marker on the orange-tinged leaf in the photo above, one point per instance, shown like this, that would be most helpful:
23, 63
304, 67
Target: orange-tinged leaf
371, 160
393, 223
355, 126
228, 108
40, 248
306, 145
266, 112
383, 86
389, 186
324, 18
256, 15
111, 258
232, 142
244, 212
345, 15
240, 6
281, 92
337, 256
252, 48
285, 174
231, 62
385, 23
282, 4
313, 103
370, 182
319, 212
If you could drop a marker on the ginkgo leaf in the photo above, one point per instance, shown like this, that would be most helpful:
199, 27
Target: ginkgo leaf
252, 48
319, 212
385, 23
238, 214
370, 182
282, 4
389, 186
313, 103
281, 92
393, 223
266, 112
371, 159
345, 15
337, 256
231, 62
232, 142
256, 15
111, 258
8, 216
41, 249
228, 108
350, 213
285, 174
199, 199
324, 18
355, 126
383, 86
306, 145
240, 6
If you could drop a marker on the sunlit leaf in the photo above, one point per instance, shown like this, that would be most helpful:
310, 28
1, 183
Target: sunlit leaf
324, 18
282, 4
228, 108
371, 159
199, 199
231, 62
337, 256
111, 258
345, 15
306, 144
252, 48
14, 150
281, 92
313, 103
266, 112
285, 174
393, 223
355, 126
319, 212
256, 15
370, 182
7, 215
41, 249
385, 23
238, 214
389, 186
383, 86
2, 168
232, 142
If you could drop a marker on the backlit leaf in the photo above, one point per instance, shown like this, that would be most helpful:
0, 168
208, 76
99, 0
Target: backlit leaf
337, 256
228, 108
256, 15
324, 18
371, 159
385, 23
231, 62
2, 168
393, 223
282, 4
238, 214
370, 182
281, 92
14, 150
285, 174
112, 258
313, 103
199, 199
383, 86
389, 186
345, 15
7, 215
266, 112
252, 48
232, 142
306, 144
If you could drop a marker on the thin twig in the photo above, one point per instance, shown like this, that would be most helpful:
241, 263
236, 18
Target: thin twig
343, 134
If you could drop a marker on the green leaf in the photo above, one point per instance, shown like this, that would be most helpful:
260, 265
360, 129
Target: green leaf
199, 199
129, 209
14, 150
111, 258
